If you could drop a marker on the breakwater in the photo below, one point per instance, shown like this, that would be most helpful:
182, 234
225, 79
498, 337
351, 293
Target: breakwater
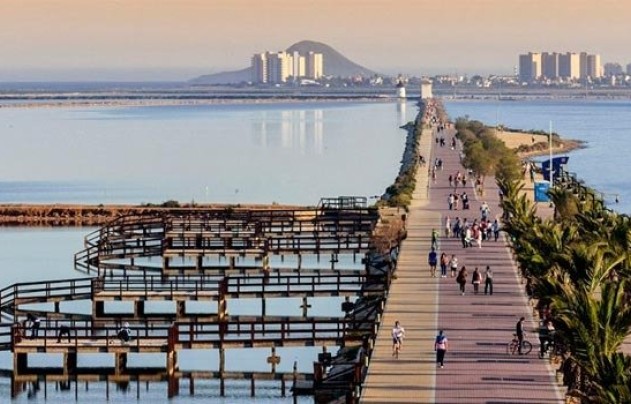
61, 215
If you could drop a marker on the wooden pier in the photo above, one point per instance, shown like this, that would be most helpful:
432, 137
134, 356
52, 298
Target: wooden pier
231, 251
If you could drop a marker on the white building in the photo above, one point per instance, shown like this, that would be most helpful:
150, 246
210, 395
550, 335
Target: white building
315, 65
277, 67
426, 89
401, 89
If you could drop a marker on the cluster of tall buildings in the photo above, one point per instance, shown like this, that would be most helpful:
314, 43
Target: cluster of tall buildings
555, 66
278, 67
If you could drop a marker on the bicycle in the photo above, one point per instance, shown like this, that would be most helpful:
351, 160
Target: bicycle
513, 347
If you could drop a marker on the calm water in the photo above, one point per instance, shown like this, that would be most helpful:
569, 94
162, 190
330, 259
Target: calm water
286, 153
604, 125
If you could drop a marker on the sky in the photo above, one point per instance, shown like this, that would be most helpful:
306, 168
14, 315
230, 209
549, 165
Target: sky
43, 40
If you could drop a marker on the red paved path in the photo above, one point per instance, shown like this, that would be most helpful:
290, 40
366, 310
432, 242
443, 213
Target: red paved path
477, 367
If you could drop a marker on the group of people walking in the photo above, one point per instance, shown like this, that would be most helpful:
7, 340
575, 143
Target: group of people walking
476, 280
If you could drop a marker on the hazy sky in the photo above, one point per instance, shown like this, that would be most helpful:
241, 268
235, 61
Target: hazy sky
177, 39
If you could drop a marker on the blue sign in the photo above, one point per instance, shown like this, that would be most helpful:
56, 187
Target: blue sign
541, 191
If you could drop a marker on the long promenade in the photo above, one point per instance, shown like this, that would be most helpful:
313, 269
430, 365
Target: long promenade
477, 367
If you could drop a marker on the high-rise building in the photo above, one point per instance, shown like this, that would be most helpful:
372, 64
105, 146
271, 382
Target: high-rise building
529, 67
629, 68
553, 65
298, 66
593, 67
550, 65
259, 68
570, 65
277, 67
315, 65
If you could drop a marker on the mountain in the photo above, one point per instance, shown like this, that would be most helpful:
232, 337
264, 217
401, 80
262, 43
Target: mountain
335, 64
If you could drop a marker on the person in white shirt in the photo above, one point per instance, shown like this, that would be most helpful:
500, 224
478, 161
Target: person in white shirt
398, 333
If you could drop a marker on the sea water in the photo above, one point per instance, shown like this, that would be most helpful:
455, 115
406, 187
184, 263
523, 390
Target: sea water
292, 153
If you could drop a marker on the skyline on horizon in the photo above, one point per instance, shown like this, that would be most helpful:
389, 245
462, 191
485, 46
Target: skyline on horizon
179, 39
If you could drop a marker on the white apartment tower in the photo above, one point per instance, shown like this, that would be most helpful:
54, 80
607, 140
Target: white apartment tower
553, 65
550, 65
259, 68
299, 66
315, 65
277, 67
570, 65
594, 67
529, 67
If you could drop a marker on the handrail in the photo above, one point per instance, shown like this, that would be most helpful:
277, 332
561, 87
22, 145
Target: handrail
44, 290
236, 331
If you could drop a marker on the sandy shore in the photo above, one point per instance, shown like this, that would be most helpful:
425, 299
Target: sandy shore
514, 140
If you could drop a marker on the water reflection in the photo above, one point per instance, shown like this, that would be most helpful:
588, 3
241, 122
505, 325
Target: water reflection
401, 112
301, 130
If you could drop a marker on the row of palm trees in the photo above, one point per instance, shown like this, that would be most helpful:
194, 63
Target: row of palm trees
578, 263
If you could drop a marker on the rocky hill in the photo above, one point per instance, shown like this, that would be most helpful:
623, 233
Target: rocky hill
335, 64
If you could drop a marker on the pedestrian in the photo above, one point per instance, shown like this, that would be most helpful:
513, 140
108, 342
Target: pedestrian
398, 332
450, 201
35, 323
465, 201
451, 181
476, 279
444, 261
124, 334
519, 330
440, 346
432, 260
434, 239
453, 265
462, 279
447, 226
496, 229
63, 330
488, 280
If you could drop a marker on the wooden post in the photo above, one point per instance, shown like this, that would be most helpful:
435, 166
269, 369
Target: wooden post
273, 360
222, 367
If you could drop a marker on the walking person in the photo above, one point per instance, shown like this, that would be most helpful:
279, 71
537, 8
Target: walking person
476, 279
462, 279
447, 226
35, 323
432, 260
495, 227
124, 334
398, 332
63, 330
440, 346
444, 261
453, 265
488, 280
519, 330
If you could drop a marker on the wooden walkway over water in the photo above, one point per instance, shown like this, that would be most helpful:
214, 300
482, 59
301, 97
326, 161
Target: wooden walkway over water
477, 367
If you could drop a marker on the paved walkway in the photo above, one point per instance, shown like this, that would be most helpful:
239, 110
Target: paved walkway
477, 367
